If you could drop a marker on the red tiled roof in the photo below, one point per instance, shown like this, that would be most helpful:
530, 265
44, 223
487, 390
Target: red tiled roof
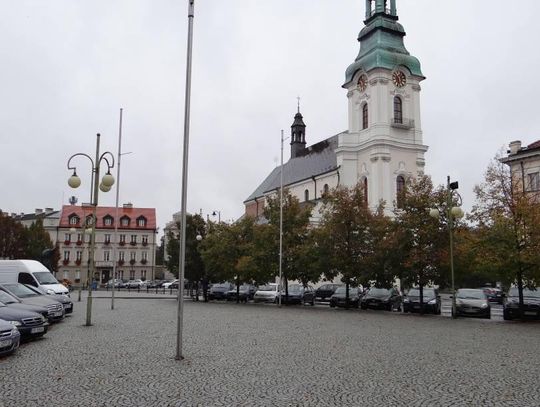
536, 144
103, 211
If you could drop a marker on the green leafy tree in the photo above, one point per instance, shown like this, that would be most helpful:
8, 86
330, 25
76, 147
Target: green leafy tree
12, 238
508, 225
37, 241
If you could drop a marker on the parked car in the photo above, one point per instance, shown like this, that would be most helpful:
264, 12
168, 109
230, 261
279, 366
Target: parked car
219, 291
9, 338
531, 304
30, 272
245, 293
472, 302
169, 283
325, 291
55, 310
382, 298
338, 299
13, 302
267, 293
135, 284
117, 283
30, 324
431, 300
62, 299
493, 294
298, 294
154, 283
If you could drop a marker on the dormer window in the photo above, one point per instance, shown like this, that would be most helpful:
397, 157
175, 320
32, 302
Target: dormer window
108, 220
124, 221
89, 220
74, 220
141, 221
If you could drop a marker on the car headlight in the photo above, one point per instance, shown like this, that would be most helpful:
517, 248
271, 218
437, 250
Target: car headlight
405, 300
16, 323
432, 302
43, 319
51, 292
484, 305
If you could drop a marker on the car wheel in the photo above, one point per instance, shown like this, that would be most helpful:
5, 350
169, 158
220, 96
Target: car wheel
438, 310
312, 303
362, 306
332, 305
506, 316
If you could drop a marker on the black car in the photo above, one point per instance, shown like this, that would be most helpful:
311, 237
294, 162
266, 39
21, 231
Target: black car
62, 299
30, 324
27, 296
531, 304
493, 294
298, 294
14, 302
9, 338
339, 299
245, 293
219, 291
381, 298
431, 301
471, 302
325, 291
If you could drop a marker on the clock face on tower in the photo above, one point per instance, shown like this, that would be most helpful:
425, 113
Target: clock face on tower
399, 79
362, 83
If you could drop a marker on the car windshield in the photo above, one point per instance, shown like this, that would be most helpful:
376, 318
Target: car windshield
20, 290
44, 277
526, 292
378, 291
6, 298
268, 288
295, 288
227, 286
245, 287
415, 292
471, 294
343, 290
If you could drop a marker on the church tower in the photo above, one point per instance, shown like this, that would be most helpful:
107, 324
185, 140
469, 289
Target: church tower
383, 146
298, 135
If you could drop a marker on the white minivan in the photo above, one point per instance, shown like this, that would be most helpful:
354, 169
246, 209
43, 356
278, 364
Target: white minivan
30, 272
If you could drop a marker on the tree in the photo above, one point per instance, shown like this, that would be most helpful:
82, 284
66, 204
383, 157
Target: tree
37, 241
508, 223
295, 230
423, 240
344, 239
12, 238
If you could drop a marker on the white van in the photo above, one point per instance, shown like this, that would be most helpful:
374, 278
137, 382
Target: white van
30, 272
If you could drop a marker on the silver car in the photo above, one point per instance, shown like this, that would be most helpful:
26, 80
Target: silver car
472, 303
267, 293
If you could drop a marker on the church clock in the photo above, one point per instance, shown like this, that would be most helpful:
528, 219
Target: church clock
362, 83
399, 79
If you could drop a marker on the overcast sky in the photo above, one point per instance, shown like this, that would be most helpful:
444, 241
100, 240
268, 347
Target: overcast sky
68, 66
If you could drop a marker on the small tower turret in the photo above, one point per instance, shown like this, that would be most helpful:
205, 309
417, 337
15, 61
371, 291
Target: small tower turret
298, 134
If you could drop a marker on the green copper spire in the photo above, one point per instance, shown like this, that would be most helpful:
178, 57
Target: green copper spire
381, 42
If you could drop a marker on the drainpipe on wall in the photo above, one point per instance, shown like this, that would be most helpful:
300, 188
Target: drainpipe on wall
315, 181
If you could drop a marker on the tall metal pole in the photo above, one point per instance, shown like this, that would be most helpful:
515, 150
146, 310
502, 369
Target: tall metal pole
182, 260
281, 223
115, 239
451, 234
91, 269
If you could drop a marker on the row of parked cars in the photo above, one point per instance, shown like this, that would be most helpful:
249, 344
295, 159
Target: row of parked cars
469, 302
26, 313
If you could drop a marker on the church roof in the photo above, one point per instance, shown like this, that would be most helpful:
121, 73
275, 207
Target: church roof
315, 160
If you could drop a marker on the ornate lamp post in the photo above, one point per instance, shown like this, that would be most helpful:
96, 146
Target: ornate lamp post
106, 183
451, 212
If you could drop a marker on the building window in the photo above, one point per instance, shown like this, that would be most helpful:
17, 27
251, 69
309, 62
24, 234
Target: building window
73, 220
141, 222
400, 189
121, 274
326, 189
121, 256
365, 116
144, 256
106, 255
122, 239
67, 237
132, 255
398, 110
534, 181
132, 274
144, 239
66, 255
66, 275
107, 239
108, 220
133, 240
79, 255
124, 221
77, 274
143, 275
89, 220
365, 189
306, 195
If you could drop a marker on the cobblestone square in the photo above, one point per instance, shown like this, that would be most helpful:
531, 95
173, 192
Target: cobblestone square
260, 355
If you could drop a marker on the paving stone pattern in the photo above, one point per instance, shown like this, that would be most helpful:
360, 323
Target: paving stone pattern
260, 355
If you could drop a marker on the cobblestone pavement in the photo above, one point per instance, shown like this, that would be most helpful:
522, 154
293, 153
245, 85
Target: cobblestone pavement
260, 355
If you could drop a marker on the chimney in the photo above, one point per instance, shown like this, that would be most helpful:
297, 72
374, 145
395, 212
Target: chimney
515, 146
39, 211
128, 205
48, 211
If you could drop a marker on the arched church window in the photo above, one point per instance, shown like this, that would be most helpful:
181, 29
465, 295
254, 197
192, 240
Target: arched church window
398, 110
326, 189
306, 195
364, 185
400, 189
365, 116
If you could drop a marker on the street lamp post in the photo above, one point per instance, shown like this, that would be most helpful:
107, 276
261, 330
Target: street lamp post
106, 183
451, 212
218, 213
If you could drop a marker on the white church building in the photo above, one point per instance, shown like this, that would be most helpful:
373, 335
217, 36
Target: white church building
383, 144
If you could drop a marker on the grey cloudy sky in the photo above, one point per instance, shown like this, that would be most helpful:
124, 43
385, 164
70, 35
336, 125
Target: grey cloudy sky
69, 65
